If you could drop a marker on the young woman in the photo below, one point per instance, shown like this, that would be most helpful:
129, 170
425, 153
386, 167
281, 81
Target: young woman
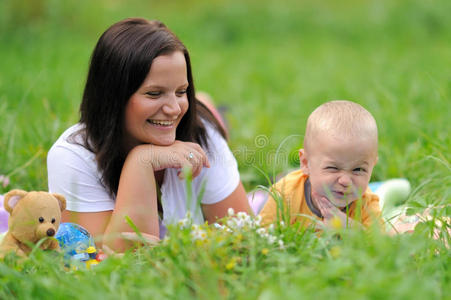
140, 125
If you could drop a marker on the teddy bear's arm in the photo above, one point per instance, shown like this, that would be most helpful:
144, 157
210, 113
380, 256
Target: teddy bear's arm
10, 244
54, 245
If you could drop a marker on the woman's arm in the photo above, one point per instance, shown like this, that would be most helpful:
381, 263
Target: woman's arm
137, 196
236, 200
94, 222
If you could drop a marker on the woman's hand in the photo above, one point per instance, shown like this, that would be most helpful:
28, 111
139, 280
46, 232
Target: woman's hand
178, 155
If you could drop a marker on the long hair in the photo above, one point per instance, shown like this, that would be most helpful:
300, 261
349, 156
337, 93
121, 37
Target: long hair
119, 64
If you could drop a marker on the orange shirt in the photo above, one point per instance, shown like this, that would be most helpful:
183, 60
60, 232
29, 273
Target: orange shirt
290, 189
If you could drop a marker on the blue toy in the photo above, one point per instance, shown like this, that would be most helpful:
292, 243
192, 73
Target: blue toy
74, 239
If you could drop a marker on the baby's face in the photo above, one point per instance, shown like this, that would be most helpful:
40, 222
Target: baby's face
339, 169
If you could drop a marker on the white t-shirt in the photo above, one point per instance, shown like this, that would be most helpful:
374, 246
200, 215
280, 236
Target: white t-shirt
72, 172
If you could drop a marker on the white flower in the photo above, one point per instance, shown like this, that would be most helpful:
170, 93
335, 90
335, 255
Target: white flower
231, 223
282, 223
198, 234
4, 180
242, 215
218, 226
261, 231
242, 220
230, 211
281, 244
271, 239
184, 223
271, 228
239, 223
166, 240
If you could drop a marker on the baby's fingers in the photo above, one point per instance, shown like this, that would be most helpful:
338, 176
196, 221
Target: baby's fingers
325, 207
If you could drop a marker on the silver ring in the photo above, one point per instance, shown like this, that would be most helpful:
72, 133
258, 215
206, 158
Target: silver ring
190, 155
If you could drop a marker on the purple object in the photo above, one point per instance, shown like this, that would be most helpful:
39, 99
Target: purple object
257, 200
4, 216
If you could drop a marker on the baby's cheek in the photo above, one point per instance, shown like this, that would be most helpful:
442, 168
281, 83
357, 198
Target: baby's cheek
320, 191
357, 192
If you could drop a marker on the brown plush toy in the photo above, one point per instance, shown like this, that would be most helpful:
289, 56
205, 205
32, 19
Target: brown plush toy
33, 216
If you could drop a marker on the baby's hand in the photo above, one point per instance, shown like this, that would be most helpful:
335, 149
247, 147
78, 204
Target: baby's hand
334, 217
328, 210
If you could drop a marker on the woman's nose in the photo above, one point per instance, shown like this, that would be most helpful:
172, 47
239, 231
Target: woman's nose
172, 106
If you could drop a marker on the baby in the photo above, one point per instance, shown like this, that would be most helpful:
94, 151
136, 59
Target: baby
339, 154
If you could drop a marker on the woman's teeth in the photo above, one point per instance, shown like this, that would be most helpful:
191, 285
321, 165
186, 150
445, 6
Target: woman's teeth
161, 123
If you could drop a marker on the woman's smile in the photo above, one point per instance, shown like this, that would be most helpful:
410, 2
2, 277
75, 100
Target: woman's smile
161, 123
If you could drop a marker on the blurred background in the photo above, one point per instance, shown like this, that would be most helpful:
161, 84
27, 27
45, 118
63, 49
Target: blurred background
269, 63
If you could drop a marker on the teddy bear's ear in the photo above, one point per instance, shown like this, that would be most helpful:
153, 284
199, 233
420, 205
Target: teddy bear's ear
12, 198
61, 200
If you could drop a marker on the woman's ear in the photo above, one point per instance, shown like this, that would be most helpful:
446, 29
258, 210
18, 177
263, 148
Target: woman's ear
303, 161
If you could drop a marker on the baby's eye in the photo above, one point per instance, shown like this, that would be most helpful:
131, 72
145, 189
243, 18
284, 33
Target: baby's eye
358, 170
331, 168
41, 220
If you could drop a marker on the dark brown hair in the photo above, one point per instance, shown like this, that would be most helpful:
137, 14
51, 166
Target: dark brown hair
119, 64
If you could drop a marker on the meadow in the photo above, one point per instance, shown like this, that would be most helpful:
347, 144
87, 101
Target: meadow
269, 63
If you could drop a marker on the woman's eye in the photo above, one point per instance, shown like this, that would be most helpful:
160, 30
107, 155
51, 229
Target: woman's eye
181, 92
153, 94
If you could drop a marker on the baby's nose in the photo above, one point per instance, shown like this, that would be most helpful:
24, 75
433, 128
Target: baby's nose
344, 180
50, 232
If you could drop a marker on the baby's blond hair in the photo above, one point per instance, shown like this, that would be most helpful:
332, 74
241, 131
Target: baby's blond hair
340, 118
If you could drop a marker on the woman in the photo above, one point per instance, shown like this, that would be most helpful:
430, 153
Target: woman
140, 125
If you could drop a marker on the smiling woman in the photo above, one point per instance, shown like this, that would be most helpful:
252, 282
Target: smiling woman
140, 125
154, 111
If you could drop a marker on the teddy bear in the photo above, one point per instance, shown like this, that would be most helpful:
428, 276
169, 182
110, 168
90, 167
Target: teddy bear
33, 216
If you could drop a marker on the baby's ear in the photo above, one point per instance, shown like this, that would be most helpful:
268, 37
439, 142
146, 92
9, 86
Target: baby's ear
61, 200
12, 198
303, 161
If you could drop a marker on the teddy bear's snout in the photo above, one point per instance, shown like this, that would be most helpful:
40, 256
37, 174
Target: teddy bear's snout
45, 230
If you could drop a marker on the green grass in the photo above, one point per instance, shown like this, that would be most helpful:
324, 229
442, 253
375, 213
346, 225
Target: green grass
271, 63
243, 265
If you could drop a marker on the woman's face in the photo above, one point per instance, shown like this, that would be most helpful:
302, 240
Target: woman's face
154, 111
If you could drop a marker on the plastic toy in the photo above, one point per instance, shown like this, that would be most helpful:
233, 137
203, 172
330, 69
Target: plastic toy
78, 245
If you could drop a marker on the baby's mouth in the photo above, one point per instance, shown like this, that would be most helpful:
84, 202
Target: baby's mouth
339, 194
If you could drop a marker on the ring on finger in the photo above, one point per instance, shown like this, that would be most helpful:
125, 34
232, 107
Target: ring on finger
190, 155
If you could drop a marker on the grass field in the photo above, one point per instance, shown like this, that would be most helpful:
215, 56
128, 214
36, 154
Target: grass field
271, 63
